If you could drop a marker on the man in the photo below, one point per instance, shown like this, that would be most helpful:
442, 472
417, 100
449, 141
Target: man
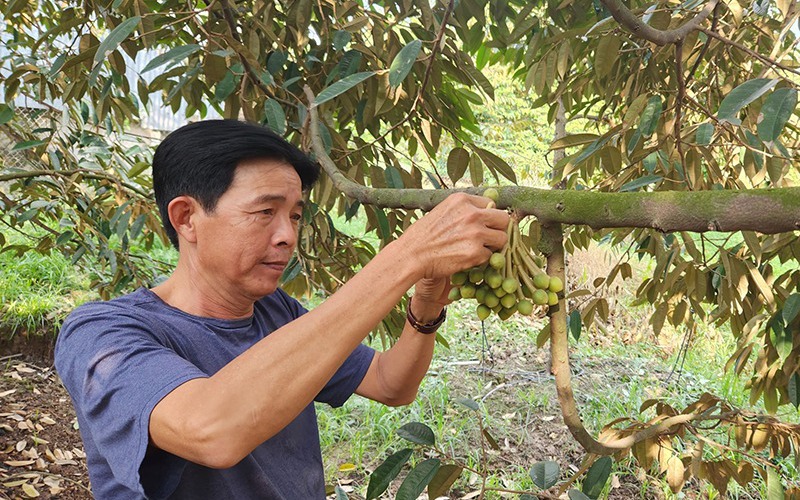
204, 386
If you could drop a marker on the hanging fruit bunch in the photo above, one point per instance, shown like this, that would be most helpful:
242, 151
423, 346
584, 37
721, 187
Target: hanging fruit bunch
510, 281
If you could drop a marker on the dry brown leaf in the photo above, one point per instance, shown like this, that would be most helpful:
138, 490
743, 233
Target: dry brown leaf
21, 445
18, 463
22, 368
14, 484
6, 393
30, 490
47, 421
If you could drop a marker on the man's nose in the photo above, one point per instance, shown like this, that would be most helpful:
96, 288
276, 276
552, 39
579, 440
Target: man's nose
285, 233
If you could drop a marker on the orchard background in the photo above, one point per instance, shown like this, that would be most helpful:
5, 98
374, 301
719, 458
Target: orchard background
651, 146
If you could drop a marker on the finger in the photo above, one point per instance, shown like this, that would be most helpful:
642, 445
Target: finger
494, 239
495, 219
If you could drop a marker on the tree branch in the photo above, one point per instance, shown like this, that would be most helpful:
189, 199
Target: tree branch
767, 211
751, 52
628, 20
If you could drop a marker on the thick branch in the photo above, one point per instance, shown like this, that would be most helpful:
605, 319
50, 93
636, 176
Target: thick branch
767, 211
553, 246
628, 20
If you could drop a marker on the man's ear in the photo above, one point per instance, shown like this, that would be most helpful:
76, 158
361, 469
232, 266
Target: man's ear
182, 211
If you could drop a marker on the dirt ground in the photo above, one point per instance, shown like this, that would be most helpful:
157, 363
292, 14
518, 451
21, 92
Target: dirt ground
40, 447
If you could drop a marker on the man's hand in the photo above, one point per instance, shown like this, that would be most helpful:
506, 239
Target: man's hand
457, 234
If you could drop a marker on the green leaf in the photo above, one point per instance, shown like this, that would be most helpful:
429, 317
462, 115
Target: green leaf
741, 96
342, 86
780, 337
704, 134
793, 388
574, 494
475, 170
573, 140
117, 35
274, 116
650, 161
776, 112
21, 146
64, 238
340, 493
597, 477
340, 39
138, 168
469, 403
383, 224
225, 86
416, 481
6, 114
417, 433
403, 62
791, 307
173, 55
385, 473
292, 269
497, 164
545, 474
393, 179
574, 321
443, 480
774, 486
650, 116
640, 182
457, 163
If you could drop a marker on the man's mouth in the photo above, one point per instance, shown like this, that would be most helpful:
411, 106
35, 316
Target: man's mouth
279, 265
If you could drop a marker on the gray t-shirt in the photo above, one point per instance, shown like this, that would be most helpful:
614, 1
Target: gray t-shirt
119, 358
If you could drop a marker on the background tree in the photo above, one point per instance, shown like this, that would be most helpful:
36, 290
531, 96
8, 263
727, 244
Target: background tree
689, 106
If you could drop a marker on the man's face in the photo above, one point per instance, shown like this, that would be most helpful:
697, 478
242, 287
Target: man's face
244, 245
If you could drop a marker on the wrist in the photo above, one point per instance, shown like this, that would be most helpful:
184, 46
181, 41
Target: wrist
425, 311
427, 323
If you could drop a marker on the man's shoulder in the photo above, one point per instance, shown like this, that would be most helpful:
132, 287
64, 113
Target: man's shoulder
123, 305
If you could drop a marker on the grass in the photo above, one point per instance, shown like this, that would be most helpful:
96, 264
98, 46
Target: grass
36, 291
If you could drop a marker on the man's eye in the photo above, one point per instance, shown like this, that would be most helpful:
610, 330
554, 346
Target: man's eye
297, 217
267, 211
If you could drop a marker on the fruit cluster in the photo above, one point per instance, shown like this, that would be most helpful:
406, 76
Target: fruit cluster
509, 282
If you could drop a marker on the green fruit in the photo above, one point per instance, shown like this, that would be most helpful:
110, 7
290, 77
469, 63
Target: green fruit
508, 300
539, 297
492, 194
527, 291
491, 300
458, 278
552, 298
468, 291
525, 307
493, 278
480, 294
510, 285
497, 308
497, 260
455, 294
556, 285
541, 281
507, 312
500, 292
483, 312
476, 275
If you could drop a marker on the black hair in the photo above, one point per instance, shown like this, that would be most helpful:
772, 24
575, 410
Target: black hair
199, 160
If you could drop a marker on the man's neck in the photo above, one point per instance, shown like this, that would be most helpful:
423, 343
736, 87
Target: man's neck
191, 293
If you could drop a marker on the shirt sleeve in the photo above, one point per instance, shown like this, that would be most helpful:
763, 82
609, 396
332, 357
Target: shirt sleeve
116, 371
